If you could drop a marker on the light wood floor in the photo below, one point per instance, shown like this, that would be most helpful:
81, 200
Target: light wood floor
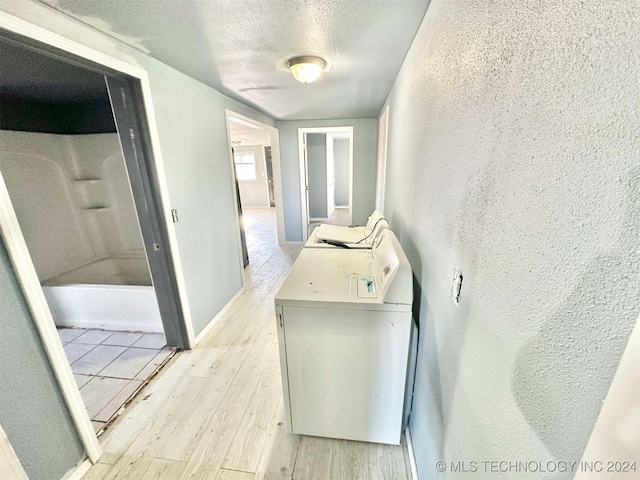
216, 412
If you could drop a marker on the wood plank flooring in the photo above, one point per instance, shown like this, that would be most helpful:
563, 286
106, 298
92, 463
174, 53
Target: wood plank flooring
216, 412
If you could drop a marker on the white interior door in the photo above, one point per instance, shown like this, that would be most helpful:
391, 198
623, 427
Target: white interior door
383, 129
306, 180
331, 177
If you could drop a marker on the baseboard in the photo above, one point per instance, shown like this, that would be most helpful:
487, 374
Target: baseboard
215, 319
294, 242
78, 472
412, 455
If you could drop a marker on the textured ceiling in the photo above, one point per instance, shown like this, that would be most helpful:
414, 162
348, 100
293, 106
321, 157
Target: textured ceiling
240, 46
248, 133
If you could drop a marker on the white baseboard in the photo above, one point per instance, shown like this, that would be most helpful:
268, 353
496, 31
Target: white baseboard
215, 319
412, 455
78, 472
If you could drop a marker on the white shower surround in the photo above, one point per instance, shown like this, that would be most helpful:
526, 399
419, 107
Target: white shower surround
76, 211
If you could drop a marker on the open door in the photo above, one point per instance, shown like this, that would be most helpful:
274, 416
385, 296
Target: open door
128, 115
243, 233
331, 177
306, 185
270, 184
319, 188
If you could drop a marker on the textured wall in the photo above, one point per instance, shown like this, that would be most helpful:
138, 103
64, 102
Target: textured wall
365, 134
32, 411
514, 154
317, 171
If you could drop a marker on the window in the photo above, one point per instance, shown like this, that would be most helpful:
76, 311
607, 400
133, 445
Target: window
245, 163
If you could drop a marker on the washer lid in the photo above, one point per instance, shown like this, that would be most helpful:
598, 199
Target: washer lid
325, 275
378, 276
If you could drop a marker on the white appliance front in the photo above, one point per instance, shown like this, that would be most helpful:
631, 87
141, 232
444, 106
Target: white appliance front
343, 349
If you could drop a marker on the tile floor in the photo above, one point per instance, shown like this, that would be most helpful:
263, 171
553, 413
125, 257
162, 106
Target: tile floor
109, 366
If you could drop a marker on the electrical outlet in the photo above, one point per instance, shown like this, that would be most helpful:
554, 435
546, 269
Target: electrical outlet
456, 285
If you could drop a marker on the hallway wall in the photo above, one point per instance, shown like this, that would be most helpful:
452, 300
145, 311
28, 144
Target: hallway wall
32, 411
514, 155
365, 135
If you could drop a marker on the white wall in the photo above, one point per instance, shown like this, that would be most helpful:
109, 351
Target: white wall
365, 134
616, 434
514, 155
254, 193
193, 140
72, 197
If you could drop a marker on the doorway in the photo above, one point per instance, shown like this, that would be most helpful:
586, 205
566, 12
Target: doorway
255, 159
326, 176
81, 221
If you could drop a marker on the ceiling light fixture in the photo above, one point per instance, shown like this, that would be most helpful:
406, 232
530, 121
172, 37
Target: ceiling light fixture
306, 69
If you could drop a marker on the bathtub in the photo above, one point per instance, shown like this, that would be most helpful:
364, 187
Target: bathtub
112, 294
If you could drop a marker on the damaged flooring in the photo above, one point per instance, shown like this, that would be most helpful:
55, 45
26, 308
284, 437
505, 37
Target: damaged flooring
110, 366
216, 412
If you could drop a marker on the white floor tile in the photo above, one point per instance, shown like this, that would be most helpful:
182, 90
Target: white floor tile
97, 359
82, 380
151, 340
99, 392
123, 339
129, 364
152, 365
68, 334
93, 337
114, 405
75, 351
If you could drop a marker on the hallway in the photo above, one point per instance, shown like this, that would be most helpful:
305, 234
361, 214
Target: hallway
216, 412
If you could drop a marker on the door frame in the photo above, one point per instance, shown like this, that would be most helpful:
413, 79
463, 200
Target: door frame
304, 207
19, 253
274, 140
383, 147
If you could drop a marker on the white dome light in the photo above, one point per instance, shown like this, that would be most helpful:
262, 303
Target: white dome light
306, 69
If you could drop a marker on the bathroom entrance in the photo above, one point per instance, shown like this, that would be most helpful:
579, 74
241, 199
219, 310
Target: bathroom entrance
81, 184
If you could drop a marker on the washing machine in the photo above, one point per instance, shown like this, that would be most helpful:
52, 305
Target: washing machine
331, 236
344, 327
